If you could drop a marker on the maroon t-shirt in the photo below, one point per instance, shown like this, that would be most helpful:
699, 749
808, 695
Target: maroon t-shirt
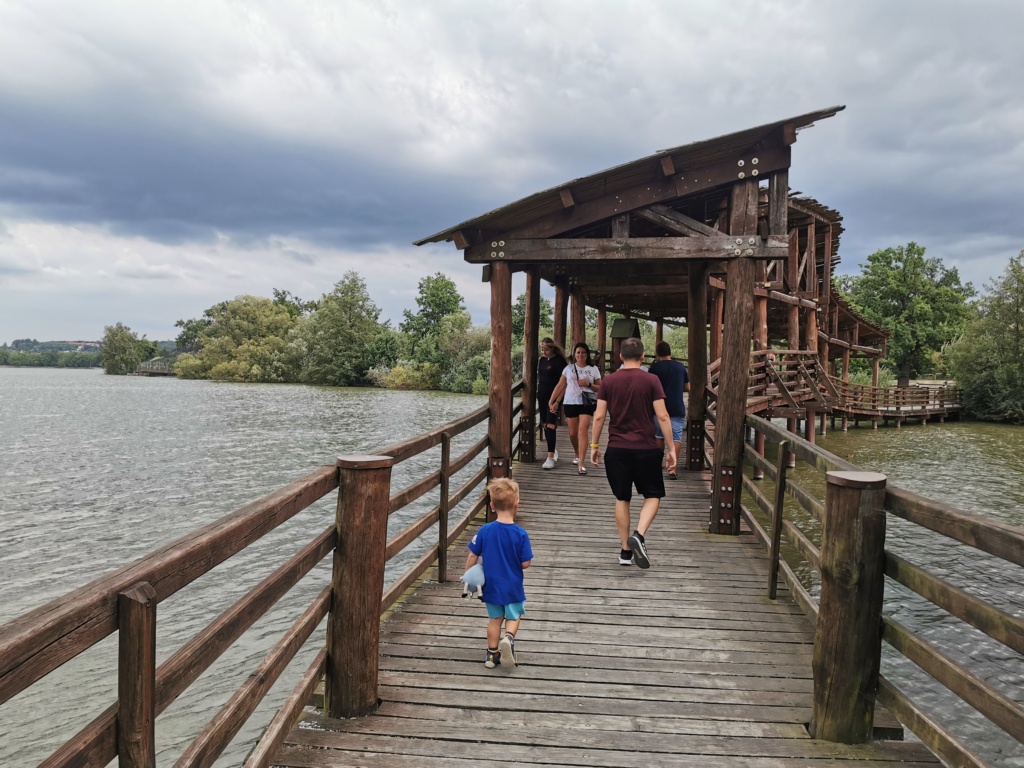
630, 393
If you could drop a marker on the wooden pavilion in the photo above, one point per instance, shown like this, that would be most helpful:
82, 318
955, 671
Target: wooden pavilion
706, 235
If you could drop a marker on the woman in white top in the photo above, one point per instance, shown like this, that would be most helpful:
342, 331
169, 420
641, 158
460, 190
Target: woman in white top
579, 383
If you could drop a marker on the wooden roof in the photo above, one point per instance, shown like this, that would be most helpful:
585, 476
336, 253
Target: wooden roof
628, 175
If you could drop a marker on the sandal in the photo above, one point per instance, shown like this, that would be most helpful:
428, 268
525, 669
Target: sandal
582, 470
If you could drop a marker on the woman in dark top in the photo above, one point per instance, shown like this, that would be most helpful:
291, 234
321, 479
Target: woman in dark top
549, 373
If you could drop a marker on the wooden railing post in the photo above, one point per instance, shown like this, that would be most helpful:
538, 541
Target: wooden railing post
353, 629
442, 509
136, 677
847, 640
781, 464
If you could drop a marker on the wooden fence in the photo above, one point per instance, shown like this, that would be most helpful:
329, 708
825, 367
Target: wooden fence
852, 561
125, 602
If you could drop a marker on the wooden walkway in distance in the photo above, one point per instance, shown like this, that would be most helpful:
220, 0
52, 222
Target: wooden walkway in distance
685, 664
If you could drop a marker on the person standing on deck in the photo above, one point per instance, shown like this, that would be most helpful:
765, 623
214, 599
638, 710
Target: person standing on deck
549, 372
627, 399
675, 380
579, 383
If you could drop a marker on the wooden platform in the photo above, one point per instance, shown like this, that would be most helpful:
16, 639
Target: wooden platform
685, 664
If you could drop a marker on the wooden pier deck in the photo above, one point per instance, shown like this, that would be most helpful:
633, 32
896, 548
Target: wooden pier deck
685, 664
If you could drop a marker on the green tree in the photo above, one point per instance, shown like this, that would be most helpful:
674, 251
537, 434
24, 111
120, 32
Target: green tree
296, 307
122, 350
244, 341
987, 361
437, 299
339, 334
547, 311
918, 300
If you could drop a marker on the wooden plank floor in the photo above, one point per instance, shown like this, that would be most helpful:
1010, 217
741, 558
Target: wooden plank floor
685, 664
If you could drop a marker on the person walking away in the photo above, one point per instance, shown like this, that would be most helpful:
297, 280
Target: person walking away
505, 550
549, 372
675, 380
627, 399
579, 384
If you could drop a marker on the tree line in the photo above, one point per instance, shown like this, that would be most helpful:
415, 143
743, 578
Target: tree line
938, 327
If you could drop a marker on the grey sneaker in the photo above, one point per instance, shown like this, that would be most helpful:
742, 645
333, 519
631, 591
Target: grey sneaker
549, 463
639, 551
507, 648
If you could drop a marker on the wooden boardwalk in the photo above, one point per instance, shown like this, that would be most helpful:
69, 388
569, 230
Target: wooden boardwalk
685, 664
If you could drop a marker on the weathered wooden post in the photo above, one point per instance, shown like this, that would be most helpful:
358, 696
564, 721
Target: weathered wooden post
442, 508
531, 347
499, 426
353, 629
848, 640
697, 356
577, 316
561, 310
602, 339
136, 677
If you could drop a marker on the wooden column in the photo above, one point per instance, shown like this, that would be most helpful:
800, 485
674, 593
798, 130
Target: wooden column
717, 317
499, 427
561, 311
697, 357
353, 628
531, 351
578, 317
659, 332
442, 508
136, 677
602, 337
735, 365
847, 640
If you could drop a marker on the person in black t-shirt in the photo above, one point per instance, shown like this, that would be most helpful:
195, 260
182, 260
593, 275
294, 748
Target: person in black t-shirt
549, 372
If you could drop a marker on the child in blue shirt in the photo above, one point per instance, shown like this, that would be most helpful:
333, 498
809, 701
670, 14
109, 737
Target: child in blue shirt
505, 550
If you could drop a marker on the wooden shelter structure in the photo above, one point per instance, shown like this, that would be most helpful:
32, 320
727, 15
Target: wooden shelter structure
706, 235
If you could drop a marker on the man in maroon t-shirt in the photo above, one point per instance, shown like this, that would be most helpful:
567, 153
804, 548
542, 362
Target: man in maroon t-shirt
628, 397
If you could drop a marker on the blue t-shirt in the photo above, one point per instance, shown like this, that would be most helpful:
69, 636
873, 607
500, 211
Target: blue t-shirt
504, 548
673, 377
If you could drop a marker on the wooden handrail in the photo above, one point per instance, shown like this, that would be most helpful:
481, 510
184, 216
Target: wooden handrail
38, 642
998, 539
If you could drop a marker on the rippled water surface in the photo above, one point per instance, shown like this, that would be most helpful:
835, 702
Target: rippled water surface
96, 471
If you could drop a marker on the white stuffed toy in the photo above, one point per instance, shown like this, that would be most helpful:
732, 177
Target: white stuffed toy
473, 581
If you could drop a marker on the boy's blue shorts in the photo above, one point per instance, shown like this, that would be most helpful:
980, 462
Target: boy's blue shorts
512, 611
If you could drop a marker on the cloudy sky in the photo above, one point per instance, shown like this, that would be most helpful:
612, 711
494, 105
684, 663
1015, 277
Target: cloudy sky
158, 157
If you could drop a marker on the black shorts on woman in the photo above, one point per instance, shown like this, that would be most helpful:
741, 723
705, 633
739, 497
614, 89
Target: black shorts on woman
575, 411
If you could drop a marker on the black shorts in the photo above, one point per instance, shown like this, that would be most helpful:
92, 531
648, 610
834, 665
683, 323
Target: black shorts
626, 467
575, 411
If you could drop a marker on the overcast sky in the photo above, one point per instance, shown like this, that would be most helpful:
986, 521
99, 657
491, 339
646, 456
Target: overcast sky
158, 157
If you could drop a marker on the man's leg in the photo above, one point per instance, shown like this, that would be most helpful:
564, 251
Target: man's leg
622, 522
647, 514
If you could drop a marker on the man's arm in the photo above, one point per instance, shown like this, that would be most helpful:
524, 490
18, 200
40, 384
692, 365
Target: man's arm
665, 422
598, 426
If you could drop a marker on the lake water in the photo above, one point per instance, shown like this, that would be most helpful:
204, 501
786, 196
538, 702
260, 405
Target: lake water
96, 471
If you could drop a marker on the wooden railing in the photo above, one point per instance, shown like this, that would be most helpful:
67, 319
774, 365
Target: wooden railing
848, 552
125, 602
915, 401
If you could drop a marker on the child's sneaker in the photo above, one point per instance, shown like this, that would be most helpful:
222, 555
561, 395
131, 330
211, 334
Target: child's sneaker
493, 659
625, 557
507, 646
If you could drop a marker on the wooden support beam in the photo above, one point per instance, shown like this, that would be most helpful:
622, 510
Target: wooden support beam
620, 225
668, 168
561, 310
649, 192
567, 198
602, 336
697, 357
577, 317
531, 352
726, 481
674, 221
499, 426
631, 248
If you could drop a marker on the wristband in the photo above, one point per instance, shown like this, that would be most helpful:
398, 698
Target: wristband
595, 445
